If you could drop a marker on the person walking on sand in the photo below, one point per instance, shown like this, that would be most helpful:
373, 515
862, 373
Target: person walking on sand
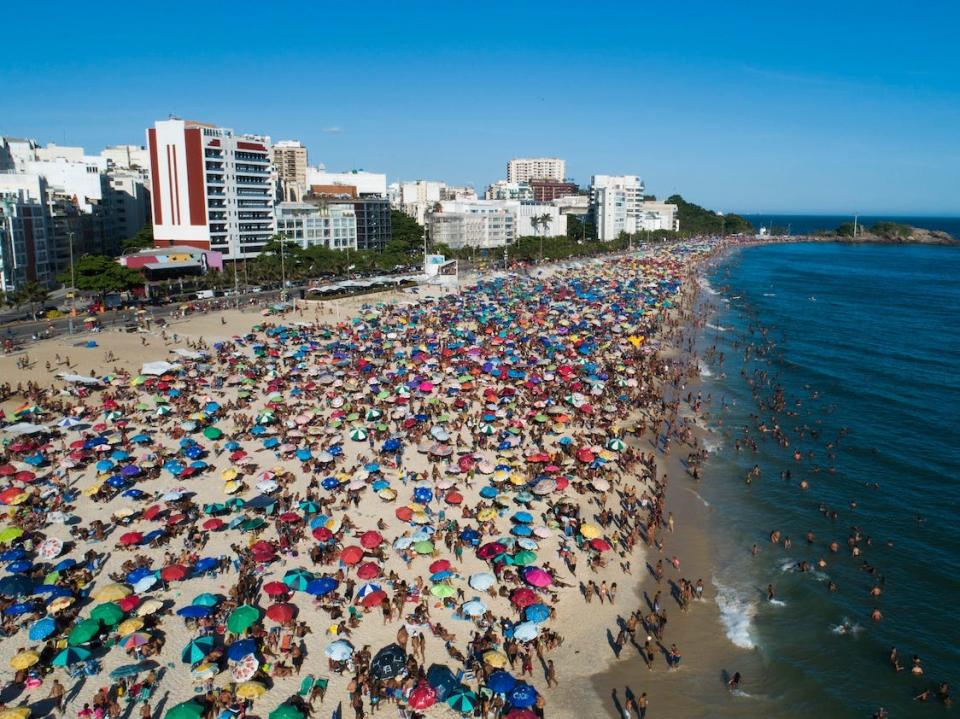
551, 674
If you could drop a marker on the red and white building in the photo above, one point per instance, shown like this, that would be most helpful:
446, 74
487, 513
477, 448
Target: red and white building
212, 190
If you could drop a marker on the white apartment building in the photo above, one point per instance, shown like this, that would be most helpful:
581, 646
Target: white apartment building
127, 157
416, 197
24, 243
506, 190
211, 189
479, 224
309, 225
84, 179
524, 169
367, 183
658, 216
625, 190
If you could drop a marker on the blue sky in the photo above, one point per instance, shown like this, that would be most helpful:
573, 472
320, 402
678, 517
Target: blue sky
740, 106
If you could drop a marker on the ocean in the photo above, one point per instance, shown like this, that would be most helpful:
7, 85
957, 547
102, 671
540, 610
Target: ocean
863, 342
806, 224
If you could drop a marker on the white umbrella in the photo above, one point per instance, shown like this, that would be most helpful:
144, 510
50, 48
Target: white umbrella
482, 581
473, 608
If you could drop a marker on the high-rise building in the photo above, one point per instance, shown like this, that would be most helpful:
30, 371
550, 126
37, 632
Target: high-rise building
211, 189
417, 197
549, 190
524, 169
127, 157
506, 190
619, 209
290, 161
24, 249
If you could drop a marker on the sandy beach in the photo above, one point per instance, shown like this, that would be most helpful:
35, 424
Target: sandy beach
577, 638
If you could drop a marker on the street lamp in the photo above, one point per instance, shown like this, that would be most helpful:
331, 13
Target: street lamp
73, 283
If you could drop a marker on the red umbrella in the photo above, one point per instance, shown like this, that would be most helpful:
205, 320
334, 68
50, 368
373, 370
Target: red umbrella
213, 524
404, 513
490, 550
237, 454
585, 455
562, 483
422, 697
24, 476
275, 589
129, 602
454, 498
322, 534
520, 714
262, 547
281, 613
441, 565
374, 599
523, 597
351, 555
466, 463
152, 511
131, 538
368, 570
371, 539
175, 519
539, 457
601, 545
8, 469
289, 517
174, 573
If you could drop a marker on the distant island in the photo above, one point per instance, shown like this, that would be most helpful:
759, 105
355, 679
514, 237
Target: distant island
889, 233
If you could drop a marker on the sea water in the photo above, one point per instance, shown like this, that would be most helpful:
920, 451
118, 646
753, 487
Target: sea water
864, 342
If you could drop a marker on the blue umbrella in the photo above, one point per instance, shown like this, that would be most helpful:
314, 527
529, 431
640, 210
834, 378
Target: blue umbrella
232, 445
141, 438
380, 484
321, 585
522, 695
258, 430
53, 591
15, 585
500, 682
469, 535
330, 483
119, 455
20, 566
68, 563
12, 555
522, 517
303, 454
391, 445
271, 442
104, 465
489, 492
205, 564
152, 536
537, 613
522, 530
139, 573
440, 576
145, 584
194, 611
42, 628
422, 495
19, 608
133, 493
131, 470
117, 482
241, 648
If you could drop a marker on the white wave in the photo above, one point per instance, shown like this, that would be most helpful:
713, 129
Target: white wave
697, 495
788, 565
704, 370
846, 627
742, 694
712, 444
778, 602
705, 284
718, 328
769, 294
736, 615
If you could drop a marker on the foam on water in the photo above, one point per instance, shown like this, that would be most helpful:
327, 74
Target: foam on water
718, 328
736, 615
704, 370
712, 444
705, 284
697, 495
846, 627
777, 602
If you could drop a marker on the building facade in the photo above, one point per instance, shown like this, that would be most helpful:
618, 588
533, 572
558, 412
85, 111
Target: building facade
313, 225
616, 202
524, 169
366, 183
417, 197
24, 247
290, 161
505, 190
211, 189
550, 190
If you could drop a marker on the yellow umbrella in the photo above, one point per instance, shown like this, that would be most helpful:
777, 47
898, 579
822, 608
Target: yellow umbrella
24, 660
517, 479
112, 592
149, 607
387, 493
495, 659
129, 626
17, 713
250, 690
590, 531
229, 474
92, 489
232, 487
60, 603
19, 499
123, 512
485, 515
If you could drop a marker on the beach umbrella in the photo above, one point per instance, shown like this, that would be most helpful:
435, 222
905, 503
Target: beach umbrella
462, 700
149, 607
71, 655
473, 608
24, 660
281, 613
83, 632
15, 610
482, 581
15, 713
500, 682
520, 714
351, 555
537, 577
495, 659
339, 650
185, 710
134, 640
212, 433
109, 593
388, 663
130, 538
297, 579
286, 711
526, 631
108, 614
275, 589
245, 669
242, 618
423, 696
196, 649
206, 600
50, 548
174, 572
250, 690
321, 586
129, 602
522, 695
241, 648
441, 678
129, 670
537, 613
42, 628
194, 611
19, 567
423, 547
523, 558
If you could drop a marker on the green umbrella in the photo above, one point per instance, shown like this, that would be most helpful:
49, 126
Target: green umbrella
442, 590
206, 600
297, 579
235, 503
358, 434
423, 547
196, 650
462, 700
524, 557
185, 710
309, 506
108, 613
83, 632
242, 618
212, 433
214, 508
286, 711
71, 655
252, 524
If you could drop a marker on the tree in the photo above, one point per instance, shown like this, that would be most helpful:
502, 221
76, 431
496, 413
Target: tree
545, 220
696, 220
31, 293
406, 234
96, 273
140, 241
